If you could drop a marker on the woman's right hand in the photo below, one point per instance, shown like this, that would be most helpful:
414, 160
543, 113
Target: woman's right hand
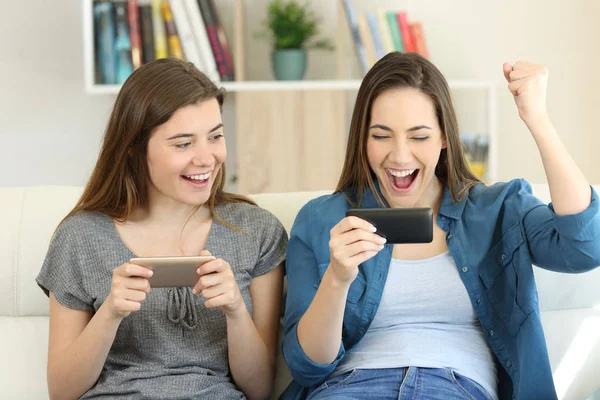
129, 289
352, 242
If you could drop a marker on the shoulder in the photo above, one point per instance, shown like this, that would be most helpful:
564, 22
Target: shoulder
82, 225
248, 216
322, 213
500, 192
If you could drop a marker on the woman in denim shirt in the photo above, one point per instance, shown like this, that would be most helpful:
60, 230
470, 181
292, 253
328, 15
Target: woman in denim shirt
455, 318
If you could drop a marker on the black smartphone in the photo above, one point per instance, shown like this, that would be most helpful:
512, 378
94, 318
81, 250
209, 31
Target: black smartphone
399, 225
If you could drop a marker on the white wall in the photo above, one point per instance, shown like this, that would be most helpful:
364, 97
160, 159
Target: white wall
50, 130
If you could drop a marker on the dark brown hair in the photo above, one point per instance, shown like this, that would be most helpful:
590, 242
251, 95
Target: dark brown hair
148, 99
404, 70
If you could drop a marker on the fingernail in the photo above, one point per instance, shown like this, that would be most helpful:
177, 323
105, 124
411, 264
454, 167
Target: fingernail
150, 273
194, 290
382, 239
373, 229
381, 246
198, 271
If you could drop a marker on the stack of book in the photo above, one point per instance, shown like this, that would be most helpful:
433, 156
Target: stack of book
377, 33
129, 33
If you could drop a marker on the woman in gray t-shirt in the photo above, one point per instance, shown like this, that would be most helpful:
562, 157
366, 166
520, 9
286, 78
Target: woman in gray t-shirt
157, 190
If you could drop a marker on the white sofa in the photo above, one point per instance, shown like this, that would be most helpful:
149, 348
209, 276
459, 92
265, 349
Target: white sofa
570, 304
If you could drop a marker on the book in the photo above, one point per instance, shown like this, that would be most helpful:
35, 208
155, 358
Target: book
161, 48
395, 31
122, 42
375, 34
175, 49
222, 39
209, 65
133, 18
147, 30
213, 38
104, 36
184, 31
405, 32
384, 30
360, 49
367, 40
416, 31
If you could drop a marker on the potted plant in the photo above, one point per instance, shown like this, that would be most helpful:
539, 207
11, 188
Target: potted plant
291, 26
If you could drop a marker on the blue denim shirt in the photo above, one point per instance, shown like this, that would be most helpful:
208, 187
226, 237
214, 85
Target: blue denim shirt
495, 234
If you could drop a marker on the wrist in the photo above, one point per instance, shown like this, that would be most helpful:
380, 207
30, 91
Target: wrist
108, 316
237, 313
334, 283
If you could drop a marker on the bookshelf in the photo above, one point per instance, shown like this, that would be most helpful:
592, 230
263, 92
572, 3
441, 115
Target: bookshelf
286, 149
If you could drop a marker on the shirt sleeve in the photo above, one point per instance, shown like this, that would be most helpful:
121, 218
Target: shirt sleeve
273, 242
61, 271
302, 278
562, 243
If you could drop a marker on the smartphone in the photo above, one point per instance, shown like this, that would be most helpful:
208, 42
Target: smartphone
399, 225
172, 271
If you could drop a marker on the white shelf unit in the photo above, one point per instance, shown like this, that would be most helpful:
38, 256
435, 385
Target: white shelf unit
91, 87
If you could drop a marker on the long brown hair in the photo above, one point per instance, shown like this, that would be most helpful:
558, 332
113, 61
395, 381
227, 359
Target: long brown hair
404, 70
148, 99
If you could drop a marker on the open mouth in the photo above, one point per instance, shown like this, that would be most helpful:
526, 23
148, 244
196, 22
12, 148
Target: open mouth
197, 180
402, 180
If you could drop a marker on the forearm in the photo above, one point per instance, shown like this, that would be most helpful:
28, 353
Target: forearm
320, 328
569, 189
77, 368
250, 362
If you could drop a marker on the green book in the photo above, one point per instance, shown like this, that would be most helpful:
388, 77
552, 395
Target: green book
392, 19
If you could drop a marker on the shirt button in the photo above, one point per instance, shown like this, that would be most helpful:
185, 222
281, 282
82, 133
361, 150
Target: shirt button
503, 256
478, 301
465, 269
443, 218
509, 364
450, 236
491, 333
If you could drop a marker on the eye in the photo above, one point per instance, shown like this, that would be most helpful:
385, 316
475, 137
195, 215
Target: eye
420, 138
217, 136
183, 145
379, 137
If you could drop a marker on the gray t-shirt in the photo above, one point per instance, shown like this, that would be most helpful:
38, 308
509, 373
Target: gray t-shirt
174, 347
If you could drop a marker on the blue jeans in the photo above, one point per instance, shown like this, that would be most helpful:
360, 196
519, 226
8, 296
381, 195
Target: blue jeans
400, 384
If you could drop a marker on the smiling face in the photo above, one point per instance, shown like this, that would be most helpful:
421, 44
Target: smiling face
186, 153
403, 147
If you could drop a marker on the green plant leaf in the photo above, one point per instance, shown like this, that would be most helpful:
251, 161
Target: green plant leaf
291, 25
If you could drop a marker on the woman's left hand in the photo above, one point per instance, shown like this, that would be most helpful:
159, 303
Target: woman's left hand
218, 286
527, 82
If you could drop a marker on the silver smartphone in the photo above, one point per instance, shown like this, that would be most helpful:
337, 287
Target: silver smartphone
172, 271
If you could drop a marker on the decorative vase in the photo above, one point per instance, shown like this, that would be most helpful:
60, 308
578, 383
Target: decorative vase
289, 64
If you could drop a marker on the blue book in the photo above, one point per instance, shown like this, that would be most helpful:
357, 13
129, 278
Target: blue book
122, 43
104, 35
377, 39
358, 45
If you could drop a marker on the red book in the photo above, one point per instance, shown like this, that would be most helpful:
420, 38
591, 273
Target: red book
134, 32
407, 39
416, 32
222, 39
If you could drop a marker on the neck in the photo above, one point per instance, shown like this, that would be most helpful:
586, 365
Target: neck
168, 214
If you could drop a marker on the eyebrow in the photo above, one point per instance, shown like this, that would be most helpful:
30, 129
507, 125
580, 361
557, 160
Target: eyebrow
187, 135
387, 128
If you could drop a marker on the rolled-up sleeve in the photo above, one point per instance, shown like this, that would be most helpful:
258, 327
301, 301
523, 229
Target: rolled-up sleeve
562, 243
303, 279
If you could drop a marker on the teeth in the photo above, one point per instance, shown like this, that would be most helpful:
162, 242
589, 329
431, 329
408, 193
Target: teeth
199, 177
401, 173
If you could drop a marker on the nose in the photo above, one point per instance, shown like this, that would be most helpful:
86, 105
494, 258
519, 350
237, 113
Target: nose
203, 157
401, 154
